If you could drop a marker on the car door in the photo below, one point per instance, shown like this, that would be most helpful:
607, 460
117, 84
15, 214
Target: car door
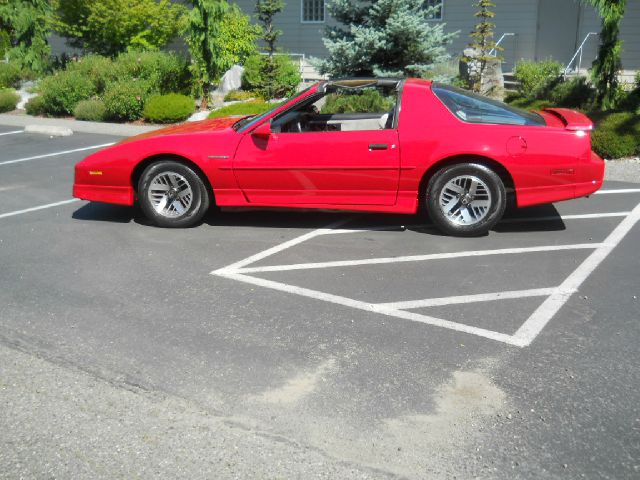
319, 167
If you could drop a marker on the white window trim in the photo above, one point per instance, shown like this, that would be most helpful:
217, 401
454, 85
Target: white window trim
324, 14
441, 14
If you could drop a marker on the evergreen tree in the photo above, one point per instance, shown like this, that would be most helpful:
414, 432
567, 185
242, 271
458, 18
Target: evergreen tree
608, 64
482, 41
26, 24
385, 38
266, 10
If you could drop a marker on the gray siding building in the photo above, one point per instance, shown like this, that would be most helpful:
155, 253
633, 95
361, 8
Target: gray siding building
541, 28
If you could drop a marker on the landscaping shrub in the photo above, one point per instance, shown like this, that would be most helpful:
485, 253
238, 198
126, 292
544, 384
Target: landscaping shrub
91, 110
240, 95
575, 93
124, 100
8, 100
62, 92
100, 70
10, 75
35, 106
370, 100
535, 77
169, 108
247, 108
163, 72
286, 76
617, 135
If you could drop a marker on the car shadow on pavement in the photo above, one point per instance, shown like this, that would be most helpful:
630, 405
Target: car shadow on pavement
103, 212
533, 219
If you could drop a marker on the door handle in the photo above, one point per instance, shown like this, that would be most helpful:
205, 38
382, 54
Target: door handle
378, 146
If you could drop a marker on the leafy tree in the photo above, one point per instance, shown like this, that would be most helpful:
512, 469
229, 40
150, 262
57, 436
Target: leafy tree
482, 41
608, 63
110, 27
218, 36
384, 37
26, 23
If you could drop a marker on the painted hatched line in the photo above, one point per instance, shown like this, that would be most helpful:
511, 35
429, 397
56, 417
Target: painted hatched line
55, 154
545, 312
529, 330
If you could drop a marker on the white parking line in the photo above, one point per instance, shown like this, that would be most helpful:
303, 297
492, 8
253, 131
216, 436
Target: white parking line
456, 300
27, 159
40, 207
410, 258
11, 133
621, 190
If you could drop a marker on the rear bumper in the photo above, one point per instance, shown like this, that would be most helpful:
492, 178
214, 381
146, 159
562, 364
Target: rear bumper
590, 176
104, 193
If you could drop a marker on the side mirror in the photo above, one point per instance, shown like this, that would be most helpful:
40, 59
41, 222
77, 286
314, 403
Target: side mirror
263, 131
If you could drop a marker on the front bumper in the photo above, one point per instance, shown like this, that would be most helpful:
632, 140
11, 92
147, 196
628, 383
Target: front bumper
104, 193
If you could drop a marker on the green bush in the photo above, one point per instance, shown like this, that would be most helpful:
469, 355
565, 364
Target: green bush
370, 100
163, 72
100, 70
91, 110
247, 108
35, 106
535, 77
286, 76
617, 135
125, 100
62, 92
575, 93
10, 75
169, 108
240, 96
8, 100
527, 103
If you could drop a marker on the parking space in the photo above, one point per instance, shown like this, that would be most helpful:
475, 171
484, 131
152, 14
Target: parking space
370, 338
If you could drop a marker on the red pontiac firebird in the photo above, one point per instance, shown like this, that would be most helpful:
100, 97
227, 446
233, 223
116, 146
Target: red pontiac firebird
378, 145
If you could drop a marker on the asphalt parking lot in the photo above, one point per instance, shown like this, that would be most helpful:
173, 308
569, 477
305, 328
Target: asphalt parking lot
329, 345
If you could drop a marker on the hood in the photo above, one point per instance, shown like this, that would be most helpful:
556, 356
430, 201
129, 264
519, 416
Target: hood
210, 125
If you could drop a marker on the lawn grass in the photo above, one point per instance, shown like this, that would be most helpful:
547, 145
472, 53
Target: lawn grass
246, 108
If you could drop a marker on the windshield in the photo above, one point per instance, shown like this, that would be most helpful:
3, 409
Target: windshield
248, 122
473, 108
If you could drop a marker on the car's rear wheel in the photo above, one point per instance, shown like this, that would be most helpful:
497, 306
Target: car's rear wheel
172, 195
466, 199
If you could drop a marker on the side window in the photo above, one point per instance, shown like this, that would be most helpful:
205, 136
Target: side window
342, 109
472, 108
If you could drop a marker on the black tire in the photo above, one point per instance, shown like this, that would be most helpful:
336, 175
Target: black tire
472, 214
187, 198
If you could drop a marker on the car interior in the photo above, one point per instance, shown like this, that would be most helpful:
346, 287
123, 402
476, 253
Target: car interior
349, 105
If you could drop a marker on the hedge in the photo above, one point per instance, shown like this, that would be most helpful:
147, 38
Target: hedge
247, 108
171, 108
8, 100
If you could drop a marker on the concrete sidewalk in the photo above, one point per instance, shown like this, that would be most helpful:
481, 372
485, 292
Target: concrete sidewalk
120, 129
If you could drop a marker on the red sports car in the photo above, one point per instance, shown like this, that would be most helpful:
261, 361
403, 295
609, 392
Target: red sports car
378, 145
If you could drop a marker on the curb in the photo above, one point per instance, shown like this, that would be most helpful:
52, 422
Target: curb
117, 129
51, 130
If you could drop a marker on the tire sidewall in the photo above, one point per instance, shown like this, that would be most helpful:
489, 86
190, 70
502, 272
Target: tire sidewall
198, 207
484, 173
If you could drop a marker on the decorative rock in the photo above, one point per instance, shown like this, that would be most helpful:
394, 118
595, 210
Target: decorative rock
231, 80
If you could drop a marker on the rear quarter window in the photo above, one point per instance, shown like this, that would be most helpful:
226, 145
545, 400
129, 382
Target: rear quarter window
472, 108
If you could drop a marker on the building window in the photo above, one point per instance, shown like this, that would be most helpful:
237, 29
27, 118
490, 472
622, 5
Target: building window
312, 11
437, 14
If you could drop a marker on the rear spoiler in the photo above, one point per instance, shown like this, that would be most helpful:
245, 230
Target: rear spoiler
572, 120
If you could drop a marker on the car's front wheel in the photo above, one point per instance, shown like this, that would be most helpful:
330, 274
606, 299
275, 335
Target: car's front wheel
172, 195
465, 199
